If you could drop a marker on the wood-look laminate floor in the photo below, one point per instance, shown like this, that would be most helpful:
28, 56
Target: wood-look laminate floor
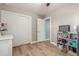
37, 49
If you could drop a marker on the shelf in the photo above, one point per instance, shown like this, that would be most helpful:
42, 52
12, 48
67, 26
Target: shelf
59, 43
73, 46
63, 38
74, 40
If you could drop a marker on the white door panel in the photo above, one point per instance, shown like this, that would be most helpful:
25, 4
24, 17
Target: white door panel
40, 30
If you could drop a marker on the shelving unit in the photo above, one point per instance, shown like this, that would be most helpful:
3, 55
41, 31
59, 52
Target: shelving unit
70, 42
62, 40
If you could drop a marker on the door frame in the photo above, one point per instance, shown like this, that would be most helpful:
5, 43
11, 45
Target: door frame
49, 17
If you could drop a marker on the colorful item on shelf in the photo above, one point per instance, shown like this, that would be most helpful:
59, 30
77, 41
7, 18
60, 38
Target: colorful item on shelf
74, 43
3, 26
74, 49
65, 35
64, 41
73, 36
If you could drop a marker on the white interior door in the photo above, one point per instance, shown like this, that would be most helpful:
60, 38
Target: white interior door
20, 26
40, 30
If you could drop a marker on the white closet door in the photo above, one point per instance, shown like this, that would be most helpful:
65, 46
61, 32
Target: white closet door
20, 26
41, 30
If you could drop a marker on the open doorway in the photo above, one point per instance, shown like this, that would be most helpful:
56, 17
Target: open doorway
47, 29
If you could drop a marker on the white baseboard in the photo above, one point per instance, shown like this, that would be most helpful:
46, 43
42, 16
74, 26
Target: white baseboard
20, 44
33, 42
54, 43
37, 41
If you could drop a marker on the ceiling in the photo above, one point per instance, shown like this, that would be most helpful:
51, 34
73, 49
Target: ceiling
39, 8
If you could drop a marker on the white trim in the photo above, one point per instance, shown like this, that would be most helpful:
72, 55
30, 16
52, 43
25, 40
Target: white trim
37, 41
50, 29
33, 42
53, 43
20, 44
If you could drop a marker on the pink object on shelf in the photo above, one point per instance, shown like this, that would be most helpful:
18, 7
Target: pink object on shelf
3, 25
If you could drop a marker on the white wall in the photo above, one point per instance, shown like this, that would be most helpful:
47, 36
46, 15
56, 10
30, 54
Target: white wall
0, 15
67, 15
76, 18
19, 25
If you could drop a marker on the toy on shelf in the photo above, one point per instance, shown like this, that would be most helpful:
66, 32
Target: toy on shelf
65, 35
73, 36
74, 44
